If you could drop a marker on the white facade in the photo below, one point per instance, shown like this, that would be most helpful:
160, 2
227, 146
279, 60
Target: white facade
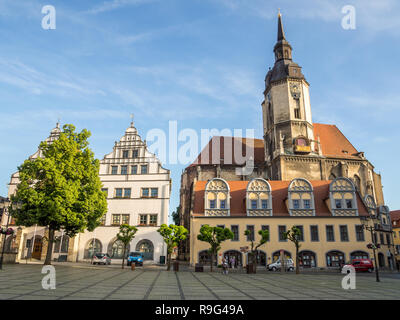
138, 191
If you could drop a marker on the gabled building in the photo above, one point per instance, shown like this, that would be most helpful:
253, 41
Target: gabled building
293, 147
138, 191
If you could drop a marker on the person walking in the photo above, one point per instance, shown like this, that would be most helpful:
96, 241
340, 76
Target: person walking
225, 265
233, 262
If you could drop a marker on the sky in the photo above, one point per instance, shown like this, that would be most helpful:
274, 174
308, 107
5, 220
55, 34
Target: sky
201, 63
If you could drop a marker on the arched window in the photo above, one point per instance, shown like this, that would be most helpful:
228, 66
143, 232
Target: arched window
359, 255
384, 214
334, 259
92, 247
146, 247
301, 198
116, 250
61, 247
217, 198
236, 255
342, 194
277, 255
357, 182
261, 258
259, 199
308, 259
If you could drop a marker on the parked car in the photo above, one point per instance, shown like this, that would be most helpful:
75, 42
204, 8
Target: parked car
360, 265
101, 258
277, 265
135, 257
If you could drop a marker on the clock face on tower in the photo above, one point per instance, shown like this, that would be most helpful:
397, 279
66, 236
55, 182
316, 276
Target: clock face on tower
295, 90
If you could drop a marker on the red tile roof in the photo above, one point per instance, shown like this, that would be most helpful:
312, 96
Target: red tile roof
395, 216
279, 195
254, 146
333, 142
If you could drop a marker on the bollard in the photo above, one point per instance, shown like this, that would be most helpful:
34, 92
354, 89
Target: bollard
133, 265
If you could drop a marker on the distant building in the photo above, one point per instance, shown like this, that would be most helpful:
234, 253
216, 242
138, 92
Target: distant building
138, 191
395, 217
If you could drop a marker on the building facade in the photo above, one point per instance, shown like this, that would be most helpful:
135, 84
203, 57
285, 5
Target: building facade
138, 191
395, 218
293, 147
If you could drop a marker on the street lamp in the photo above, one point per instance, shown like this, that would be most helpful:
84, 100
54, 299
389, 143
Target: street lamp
364, 221
4, 204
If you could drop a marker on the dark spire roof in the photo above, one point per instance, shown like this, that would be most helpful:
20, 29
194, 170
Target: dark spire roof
281, 33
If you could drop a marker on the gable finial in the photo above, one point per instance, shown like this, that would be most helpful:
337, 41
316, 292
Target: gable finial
132, 116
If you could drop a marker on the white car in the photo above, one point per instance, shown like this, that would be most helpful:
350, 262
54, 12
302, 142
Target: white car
277, 265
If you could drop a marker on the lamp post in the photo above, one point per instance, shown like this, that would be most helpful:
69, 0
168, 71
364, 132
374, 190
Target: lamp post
4, 204
364, 221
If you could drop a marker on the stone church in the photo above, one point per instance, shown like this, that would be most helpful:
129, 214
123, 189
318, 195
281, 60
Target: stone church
292, 146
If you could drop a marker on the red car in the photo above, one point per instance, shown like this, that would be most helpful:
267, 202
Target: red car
361, 265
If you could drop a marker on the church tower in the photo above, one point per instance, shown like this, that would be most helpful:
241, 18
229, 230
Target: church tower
288, 127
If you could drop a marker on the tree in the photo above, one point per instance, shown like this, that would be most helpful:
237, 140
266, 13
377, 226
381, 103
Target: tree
125, 235
214, 236
61, 189
294, 235
172, 236
176, 216
254, 247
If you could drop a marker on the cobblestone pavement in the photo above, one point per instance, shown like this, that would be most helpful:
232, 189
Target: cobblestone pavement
101, 282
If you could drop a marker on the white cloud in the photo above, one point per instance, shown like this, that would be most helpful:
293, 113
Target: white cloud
117, 4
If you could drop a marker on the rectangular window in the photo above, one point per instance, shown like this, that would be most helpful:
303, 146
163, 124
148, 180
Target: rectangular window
330, 235
114, 170
145, 192
266, 228
143, 219
281, 231
116, 219
344, 235
153, 219
124, 169
297, 113
235, 231
125, 219
250, 237
388, 238
381, 238
338, 204
314, 233
301, 237
143, 169
375, 238
222, 204
307, 203
154, 192
264, 204
118, 193
103, 220
135, 153
349, 204
133, 169
125, 154
127, 193
212, 204
296, 204
360, 233
254, 204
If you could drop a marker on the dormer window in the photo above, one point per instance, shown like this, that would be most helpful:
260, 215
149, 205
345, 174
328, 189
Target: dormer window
342, 193
259, 198
301, 198
217, 198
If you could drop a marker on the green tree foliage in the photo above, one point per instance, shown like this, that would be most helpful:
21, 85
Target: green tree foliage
61, 189
172, 236
214, 236
294, 235
254, 247
176, 216
125, 235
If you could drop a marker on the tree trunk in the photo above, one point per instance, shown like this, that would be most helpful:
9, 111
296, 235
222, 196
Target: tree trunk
123, 258
49, 247
169, 261
297, 259
212, 261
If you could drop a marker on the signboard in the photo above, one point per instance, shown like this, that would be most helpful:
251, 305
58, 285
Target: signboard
302, 149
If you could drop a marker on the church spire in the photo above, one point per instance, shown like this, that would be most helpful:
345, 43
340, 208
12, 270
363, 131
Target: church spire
281, 33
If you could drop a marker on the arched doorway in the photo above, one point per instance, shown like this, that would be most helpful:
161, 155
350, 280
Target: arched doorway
277, 254
37, 247
334, 259
146, 248
10, 245
381, 260
307, 259
261, 258
116, 249
235, 256
205, 258
92, 247
359, 255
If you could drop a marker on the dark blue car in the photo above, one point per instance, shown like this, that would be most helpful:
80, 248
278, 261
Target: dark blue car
136, 258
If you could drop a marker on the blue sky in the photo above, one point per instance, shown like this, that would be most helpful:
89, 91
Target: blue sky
199, 62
